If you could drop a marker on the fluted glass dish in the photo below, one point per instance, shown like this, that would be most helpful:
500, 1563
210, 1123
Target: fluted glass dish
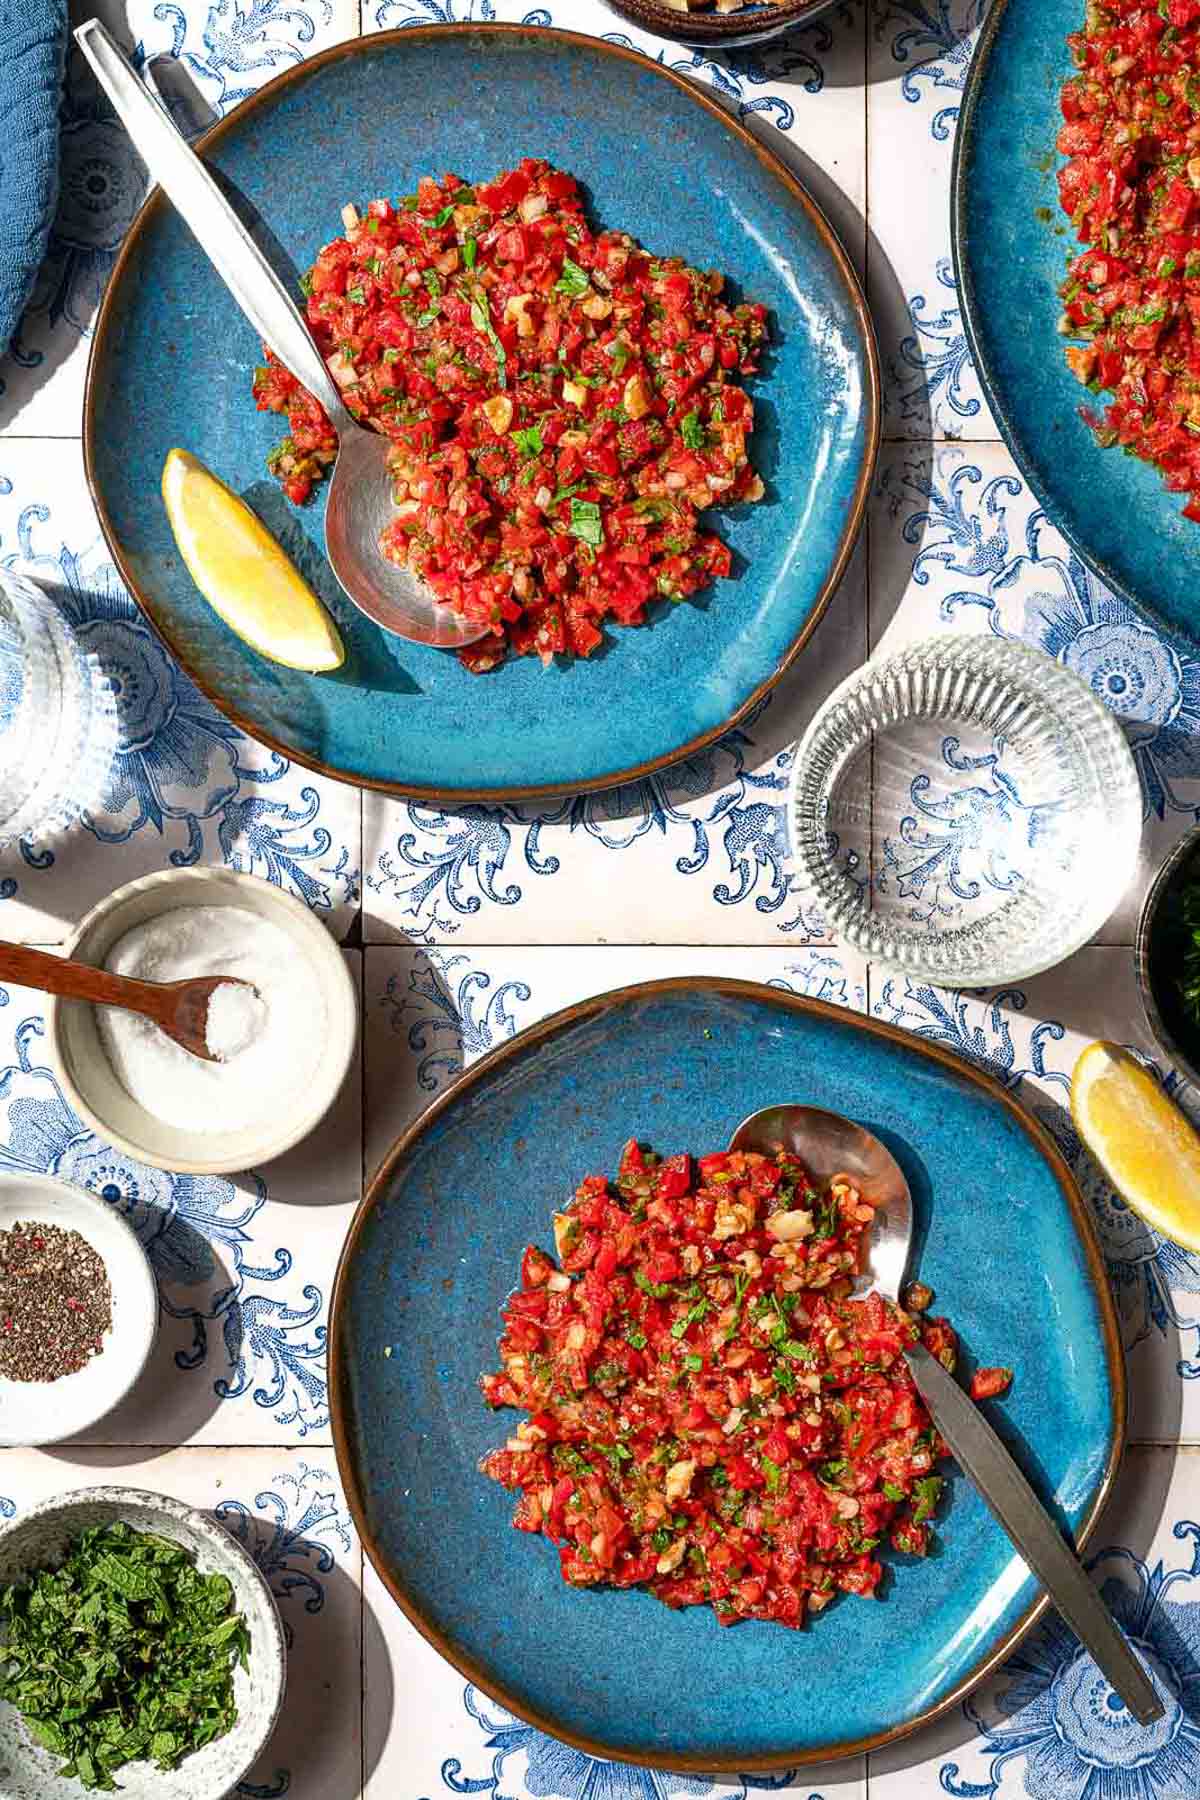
57, 724
965, 811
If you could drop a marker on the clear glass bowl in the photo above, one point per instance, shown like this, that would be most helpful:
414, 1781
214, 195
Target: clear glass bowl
57, 730
965, 811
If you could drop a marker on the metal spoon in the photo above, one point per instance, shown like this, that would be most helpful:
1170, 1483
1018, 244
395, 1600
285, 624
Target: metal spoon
178, 1008
828, 1144
360, 490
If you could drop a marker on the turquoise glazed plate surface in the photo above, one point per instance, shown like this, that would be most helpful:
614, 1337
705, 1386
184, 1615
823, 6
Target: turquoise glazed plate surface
173, 359
435, 1248
1112, 509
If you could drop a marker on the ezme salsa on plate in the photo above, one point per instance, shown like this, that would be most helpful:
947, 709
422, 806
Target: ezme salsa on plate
562, 404
1131, 186
709, 1412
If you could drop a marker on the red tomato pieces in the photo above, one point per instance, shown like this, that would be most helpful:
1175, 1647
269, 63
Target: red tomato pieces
561, 403
987, 1383
1131, 133
710, 1413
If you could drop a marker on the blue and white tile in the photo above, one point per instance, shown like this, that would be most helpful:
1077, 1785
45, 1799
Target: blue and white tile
429, 1013
919, 51
1047, 1726
697, 854
287, 1509
958, 543
205, 56
180, 784
1030, 1038
244, 1263
427, 1734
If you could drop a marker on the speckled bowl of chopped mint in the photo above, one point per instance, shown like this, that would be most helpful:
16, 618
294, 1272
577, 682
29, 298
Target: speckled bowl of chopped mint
141, 1650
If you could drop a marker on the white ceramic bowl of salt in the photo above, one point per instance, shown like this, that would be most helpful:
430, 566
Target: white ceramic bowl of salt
201, 1119
47, 1412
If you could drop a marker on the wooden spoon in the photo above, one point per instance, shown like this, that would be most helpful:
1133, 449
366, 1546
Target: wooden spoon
179, 1008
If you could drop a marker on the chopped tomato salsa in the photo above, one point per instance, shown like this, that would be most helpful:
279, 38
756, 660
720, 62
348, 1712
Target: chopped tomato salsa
987, 1383
563, 405
709, 1412
1131, 186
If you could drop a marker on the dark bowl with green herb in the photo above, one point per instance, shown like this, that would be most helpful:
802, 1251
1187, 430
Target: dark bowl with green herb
1167, 955
140, 1649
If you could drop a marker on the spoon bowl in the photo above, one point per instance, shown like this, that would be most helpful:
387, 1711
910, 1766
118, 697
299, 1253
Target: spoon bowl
828, 1144
360, 504
180, 1009
360, 489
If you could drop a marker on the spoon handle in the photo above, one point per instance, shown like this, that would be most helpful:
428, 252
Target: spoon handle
1011, 1500
221, 235
79, 981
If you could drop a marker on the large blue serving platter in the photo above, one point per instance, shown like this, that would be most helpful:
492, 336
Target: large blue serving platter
434, 1250
1011, 244
173, 358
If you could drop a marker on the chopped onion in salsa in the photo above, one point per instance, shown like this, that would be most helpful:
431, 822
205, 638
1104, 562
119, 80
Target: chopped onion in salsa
709, 1412
563, 405
1131, 187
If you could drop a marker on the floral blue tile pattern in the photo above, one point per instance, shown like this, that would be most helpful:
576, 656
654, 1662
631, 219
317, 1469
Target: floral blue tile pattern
294, 1532
447, 1013
554, 1768
933, 368
1156, 1283
237, 1313
475, 925
183, 785
1015, 578
920, 52
932, 41
714, 819
1052, 1728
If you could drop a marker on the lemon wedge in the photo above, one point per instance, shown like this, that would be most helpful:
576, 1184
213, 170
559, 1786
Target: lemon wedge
243, 573
1147, 1147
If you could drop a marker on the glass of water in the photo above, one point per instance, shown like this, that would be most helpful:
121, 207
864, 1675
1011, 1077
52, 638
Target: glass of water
965, 811
51, 716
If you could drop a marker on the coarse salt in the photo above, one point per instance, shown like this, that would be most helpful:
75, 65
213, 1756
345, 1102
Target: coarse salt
236, 1016
269, 1041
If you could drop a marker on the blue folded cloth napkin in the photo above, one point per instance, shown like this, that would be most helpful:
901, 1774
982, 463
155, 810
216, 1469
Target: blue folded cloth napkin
33, 43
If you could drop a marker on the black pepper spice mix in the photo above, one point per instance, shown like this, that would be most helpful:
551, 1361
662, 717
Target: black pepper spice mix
55, 1302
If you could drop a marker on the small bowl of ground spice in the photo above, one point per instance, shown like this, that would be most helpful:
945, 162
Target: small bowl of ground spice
78, 1309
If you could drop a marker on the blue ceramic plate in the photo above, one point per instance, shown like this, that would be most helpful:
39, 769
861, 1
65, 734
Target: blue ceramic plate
173, 357
435, 1248
1113, 509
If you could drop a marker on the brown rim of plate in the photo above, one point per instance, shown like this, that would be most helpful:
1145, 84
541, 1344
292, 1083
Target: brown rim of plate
751, 24
452, 797
681, 1761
